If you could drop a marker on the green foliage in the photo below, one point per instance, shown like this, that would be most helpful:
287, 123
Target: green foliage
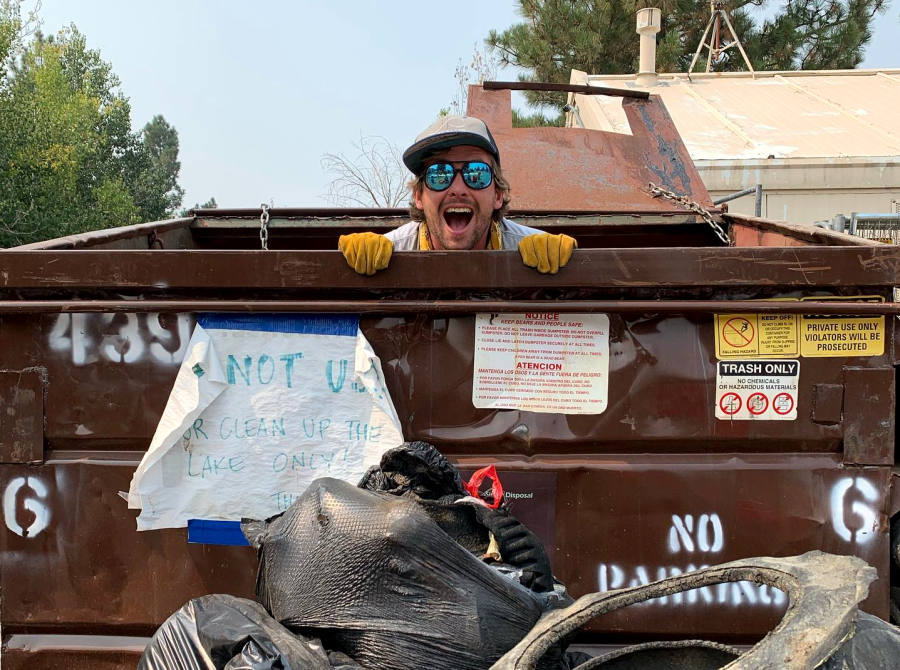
523, 120
156, 190
598, 37
69, 161
209, 204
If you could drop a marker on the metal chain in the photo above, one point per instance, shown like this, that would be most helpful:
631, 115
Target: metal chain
695, 207
264, 227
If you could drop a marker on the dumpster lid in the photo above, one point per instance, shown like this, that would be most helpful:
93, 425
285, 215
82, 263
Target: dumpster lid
576, 169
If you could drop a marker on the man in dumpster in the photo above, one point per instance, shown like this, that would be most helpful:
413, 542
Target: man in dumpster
459, 202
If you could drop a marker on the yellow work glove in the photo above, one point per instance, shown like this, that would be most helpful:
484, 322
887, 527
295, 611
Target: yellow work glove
547, 252
366, 252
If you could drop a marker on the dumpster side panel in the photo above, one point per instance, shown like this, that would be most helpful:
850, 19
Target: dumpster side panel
653, 485
618, 519
661, 388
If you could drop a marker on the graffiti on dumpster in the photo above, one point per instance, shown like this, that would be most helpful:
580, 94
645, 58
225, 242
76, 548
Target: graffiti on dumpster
121, 338
708, 536
842, 491
26, 515
734, 593
698, 536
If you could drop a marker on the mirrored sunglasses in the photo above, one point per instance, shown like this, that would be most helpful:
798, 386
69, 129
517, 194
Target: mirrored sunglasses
476, 175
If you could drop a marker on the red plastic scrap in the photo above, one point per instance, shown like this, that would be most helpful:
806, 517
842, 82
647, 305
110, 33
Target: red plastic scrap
474, 484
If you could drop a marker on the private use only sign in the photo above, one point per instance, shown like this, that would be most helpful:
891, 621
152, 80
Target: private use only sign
542, 362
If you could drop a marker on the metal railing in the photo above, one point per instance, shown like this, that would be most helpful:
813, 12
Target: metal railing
757, 190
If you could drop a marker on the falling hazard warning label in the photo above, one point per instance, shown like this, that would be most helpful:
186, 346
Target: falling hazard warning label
764, 335
779, 335
754, 389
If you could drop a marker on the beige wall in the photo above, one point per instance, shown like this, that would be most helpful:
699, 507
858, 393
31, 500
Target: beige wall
807, 190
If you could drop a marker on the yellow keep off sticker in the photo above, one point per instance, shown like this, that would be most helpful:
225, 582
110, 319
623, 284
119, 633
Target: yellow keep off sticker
762, 335
792, 335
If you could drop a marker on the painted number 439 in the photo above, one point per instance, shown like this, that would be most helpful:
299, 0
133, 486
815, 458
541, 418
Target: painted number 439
122, 338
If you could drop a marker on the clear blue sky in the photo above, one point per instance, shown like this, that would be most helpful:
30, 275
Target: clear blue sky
259, 91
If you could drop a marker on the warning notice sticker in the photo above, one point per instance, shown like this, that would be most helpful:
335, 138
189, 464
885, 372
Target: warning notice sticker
542, 362
768, 335
831, 336
792, 335
748, 390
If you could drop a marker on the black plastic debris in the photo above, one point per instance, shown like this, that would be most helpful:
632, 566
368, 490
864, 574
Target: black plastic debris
518, 547
221, 632
376, 578
668, 655
417, 470
874, 645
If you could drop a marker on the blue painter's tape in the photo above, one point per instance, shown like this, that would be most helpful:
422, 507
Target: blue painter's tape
303, 324
205, 531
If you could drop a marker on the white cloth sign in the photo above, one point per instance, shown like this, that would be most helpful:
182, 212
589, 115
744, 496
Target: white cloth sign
263, 405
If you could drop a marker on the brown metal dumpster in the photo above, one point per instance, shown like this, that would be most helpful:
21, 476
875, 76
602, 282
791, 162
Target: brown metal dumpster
676, 472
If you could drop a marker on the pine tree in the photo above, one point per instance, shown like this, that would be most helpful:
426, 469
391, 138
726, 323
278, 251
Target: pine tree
598, 37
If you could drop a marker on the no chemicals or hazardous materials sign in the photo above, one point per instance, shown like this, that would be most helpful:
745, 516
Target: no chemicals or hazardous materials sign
757, 390
743, 336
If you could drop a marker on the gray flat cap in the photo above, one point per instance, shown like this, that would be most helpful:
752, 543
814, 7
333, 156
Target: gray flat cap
446, 132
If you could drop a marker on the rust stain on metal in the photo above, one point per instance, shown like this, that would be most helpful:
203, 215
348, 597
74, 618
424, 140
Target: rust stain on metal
868, 415
604, 171
21, 416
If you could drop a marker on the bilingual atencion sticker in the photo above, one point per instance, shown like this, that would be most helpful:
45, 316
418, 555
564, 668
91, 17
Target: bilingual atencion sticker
757, 390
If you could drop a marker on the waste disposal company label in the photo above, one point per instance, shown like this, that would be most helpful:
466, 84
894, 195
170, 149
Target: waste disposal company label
754, 389
542, 362
741, 336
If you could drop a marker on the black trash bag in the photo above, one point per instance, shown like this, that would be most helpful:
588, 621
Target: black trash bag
221, 632
419, 471
519, 547
341, 661
573, 659
377, 579
415, 470
875, 645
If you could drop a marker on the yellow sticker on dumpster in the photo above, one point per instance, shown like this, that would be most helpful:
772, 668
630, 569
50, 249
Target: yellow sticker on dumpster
764, 335
840, 336
791, 335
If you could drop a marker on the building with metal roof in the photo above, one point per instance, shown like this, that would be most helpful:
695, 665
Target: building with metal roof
821, 143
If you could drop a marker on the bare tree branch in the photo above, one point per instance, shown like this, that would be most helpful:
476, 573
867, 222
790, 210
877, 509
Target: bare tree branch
375, 178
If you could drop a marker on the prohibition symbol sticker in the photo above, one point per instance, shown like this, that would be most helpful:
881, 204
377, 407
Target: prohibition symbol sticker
738, 332
783, 403
757, 403
730, 403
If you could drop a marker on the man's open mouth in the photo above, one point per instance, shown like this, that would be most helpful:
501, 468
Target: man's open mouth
458, 218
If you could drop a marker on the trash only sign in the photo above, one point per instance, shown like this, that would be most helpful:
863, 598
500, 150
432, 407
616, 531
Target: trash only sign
748, 390
542, 362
